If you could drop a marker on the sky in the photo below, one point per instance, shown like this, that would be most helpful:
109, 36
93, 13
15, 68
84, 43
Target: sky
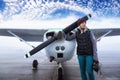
58, 13
40, 14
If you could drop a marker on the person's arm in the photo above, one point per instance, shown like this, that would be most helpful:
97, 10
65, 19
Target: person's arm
94, 42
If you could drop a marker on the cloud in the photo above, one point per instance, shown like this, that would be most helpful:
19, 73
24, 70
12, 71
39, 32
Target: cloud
42, 9
104, 22
38, 24
60, 23
40, 14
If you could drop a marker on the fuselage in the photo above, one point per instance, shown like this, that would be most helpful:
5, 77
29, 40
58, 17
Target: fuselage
61, 50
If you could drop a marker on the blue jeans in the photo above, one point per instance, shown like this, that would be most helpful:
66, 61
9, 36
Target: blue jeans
85, 62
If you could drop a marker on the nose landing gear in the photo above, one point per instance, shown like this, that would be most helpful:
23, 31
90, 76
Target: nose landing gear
60, 72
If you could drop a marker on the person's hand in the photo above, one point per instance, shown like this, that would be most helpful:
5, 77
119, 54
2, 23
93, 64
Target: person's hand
96, 65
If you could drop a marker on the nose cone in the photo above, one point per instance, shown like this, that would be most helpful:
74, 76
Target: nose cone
61, 50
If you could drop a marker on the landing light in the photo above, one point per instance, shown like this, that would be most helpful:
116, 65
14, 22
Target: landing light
57, 48
62, 48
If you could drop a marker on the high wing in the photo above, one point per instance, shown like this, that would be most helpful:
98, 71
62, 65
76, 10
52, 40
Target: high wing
37, 34
25, 34
100, 33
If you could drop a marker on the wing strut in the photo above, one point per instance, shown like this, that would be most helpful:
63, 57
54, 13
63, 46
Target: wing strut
20, 38
104, 35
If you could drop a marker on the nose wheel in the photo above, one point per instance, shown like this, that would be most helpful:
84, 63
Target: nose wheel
35, 64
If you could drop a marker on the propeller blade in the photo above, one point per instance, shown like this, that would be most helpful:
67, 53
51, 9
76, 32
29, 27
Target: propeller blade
41, 46
76, 24
66, 30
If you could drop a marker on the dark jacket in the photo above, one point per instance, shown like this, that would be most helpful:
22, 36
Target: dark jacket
84, 43
91, 41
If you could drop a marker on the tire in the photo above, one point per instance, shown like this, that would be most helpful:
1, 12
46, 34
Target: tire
35, 64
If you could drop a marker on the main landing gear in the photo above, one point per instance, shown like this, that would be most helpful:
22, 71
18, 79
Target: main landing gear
35, 64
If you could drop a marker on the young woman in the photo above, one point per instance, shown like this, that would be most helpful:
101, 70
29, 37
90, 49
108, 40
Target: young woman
86, 50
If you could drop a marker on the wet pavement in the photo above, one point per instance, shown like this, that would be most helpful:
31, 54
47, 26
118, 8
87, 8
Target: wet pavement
15, 67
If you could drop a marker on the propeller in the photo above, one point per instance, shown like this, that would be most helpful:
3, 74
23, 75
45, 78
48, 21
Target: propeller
65, 30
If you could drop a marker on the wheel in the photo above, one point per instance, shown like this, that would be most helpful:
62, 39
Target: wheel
35, 64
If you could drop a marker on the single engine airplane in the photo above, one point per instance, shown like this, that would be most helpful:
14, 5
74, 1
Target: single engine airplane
56, 46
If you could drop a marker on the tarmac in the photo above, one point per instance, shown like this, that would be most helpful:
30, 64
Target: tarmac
13, 65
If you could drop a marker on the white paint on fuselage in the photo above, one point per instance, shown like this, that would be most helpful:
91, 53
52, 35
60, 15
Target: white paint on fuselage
68, 52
